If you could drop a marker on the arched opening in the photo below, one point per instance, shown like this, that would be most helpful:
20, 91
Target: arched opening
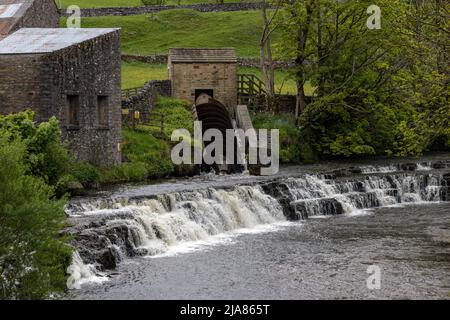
214, 115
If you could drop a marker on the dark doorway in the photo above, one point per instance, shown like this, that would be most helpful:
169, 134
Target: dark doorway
199, 92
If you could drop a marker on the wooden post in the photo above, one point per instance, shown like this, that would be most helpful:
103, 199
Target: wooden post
162, 125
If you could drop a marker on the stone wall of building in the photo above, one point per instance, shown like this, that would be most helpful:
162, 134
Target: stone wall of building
91, 69
88, 70
21, 77
202, 7
220, 77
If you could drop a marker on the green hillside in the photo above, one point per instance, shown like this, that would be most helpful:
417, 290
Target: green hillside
156, 33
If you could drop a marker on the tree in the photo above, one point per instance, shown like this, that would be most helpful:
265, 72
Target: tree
33, 256
296, 24
266, 58
372, 86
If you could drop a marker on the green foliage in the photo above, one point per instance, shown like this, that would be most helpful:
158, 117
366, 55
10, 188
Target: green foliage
148, 153
292, 147
143, 148
45, 156
378, 92
33, 257
127, 172
66, 184
85, 173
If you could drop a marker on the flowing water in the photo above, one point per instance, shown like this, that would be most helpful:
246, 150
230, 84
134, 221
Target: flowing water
296, 235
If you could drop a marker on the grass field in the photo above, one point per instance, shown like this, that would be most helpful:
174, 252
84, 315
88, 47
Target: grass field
129, 3
136, 74
156, 33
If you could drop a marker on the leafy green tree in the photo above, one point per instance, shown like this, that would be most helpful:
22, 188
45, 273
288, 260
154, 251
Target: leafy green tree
45, 156
33, 256
378, 91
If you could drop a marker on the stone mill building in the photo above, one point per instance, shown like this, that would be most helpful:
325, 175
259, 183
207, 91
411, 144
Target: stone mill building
211, 71
72, 74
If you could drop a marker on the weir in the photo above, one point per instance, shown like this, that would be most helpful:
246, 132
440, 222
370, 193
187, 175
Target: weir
108, 230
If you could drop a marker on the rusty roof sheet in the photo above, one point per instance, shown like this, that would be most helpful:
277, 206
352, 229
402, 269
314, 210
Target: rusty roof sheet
45, 40
11, 14
202, 55
11, 11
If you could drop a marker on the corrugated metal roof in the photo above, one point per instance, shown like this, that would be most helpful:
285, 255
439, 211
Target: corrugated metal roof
9, 10
44, 40
202, 55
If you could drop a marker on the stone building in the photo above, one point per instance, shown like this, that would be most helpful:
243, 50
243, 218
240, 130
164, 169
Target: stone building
16, 14
211, 71
73, 74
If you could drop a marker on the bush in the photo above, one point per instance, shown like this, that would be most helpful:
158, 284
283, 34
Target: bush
290, 142
33, 257
66, 184
128, 172
85, 173
44, 154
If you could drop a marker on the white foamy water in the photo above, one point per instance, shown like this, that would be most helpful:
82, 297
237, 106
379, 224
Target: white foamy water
221, 239
379, 169
80, 273
180, 223
190, 221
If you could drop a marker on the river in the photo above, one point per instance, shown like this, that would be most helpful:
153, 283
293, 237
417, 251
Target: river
295, 236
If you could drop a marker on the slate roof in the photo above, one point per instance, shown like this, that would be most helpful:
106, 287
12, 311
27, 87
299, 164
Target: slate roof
45, 40
202, 55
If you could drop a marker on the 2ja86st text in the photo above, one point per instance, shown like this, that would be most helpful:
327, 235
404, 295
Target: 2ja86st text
226, 310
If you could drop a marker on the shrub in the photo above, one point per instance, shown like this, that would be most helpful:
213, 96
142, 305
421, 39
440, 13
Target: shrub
67, 183
33, 257
44, 154
290, 151
87, 174
127, 172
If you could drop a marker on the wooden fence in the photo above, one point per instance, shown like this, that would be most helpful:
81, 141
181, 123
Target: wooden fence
134, 120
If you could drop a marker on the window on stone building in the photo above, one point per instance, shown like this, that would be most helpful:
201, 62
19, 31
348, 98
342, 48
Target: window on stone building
73, 103
102, 110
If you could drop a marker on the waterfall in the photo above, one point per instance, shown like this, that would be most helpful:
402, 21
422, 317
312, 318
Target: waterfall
109, 230
141, 227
